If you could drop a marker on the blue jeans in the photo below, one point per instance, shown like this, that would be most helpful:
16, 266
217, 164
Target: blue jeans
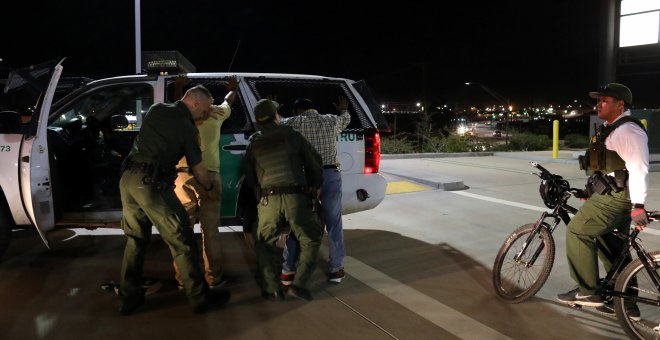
331, 202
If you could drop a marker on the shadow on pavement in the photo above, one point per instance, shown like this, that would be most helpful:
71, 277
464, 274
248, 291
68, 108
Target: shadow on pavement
56, 294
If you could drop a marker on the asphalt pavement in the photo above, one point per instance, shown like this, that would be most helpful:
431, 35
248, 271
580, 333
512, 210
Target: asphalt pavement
418, 267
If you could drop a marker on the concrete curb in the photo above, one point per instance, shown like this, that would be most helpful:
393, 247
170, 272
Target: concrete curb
439, 182
434, 155
451, 184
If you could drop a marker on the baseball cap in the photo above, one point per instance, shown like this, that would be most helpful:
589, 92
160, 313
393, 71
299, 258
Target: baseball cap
616, 90
265, 110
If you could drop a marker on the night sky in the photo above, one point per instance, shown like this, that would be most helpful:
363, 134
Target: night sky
532, 52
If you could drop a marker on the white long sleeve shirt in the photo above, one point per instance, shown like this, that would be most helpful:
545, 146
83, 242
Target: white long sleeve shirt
631, 143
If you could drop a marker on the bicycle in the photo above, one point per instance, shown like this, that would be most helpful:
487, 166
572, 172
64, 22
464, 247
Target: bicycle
525, 260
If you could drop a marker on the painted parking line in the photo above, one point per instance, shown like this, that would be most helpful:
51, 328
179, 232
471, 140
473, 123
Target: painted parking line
443, 316
117, 231
527, 206
398, 187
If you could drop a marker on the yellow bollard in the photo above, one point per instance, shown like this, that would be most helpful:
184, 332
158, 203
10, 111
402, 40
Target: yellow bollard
555, 139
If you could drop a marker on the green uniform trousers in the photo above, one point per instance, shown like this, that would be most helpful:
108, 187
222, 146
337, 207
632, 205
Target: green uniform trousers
588, 236
305, 226
142, 208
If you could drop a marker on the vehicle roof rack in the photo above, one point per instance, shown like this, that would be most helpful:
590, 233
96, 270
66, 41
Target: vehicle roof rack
166, 62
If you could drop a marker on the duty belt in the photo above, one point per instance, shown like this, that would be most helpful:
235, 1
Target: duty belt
138, 166
293, 189
330, 166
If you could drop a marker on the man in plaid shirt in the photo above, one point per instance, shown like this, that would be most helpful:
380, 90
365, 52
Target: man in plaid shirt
321, 131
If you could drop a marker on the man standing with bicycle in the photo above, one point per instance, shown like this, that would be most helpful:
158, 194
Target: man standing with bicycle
618, 162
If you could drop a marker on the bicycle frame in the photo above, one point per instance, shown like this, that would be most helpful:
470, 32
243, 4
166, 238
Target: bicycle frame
649, 265
558, 214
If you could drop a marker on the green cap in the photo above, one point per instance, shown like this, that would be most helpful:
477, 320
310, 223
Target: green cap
616, 90
265, 110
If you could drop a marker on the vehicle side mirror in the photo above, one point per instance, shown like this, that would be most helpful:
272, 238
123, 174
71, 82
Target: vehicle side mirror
10, 122
118, 122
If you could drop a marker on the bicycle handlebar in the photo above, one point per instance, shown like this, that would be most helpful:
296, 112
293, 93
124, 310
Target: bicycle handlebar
546, 175
544, 171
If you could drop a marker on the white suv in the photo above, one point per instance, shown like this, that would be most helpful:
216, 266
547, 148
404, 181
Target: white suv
59, 163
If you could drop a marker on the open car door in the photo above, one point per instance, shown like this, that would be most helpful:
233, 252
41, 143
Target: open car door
33, 164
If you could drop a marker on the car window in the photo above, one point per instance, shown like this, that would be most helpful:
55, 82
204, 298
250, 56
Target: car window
132, 101
369, 99
322, 92
237, 121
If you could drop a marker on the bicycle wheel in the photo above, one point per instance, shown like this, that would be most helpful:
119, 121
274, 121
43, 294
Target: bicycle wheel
516, 281
635, 279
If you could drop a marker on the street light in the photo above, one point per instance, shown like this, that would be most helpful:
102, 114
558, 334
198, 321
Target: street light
138, 38
503, 101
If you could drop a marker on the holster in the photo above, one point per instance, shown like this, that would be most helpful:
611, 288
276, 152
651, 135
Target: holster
601, 184
621, 179
159, 178
131, 165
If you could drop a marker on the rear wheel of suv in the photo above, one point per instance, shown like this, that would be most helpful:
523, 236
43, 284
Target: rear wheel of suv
6, 226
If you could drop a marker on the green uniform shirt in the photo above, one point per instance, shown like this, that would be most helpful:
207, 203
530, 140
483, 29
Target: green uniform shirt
280, 156
168, 131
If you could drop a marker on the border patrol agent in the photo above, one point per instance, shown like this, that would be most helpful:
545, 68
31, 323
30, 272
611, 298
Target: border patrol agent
167, 133
286, 172
618, 161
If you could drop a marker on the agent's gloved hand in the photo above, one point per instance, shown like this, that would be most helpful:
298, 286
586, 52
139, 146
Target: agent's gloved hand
315, 193
215, 193
639, 217
582, 194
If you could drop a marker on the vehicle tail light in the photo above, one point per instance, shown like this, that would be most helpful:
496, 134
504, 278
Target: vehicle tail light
371, 152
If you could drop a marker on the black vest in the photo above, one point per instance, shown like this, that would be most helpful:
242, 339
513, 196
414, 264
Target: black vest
598, 157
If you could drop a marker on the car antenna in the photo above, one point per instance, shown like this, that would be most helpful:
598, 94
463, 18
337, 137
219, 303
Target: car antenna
232, 58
